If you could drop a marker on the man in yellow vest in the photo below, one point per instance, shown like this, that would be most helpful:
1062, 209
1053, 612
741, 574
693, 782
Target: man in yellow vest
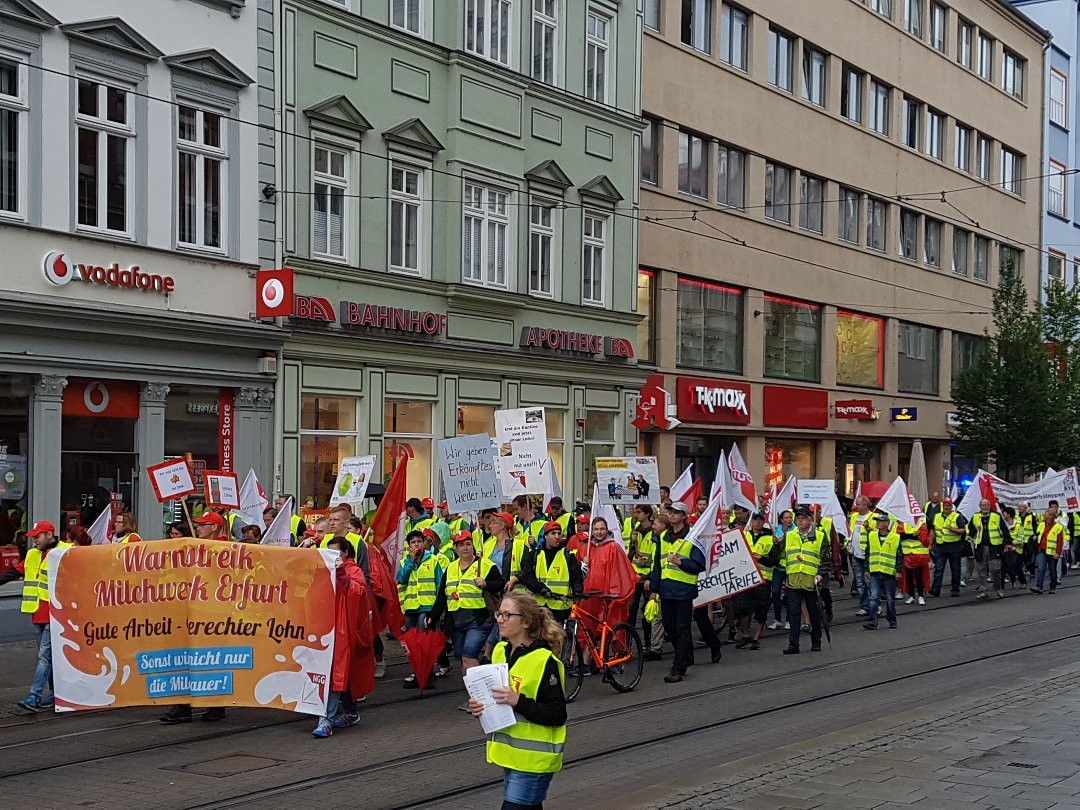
947, 539
754, 603
990, 535
529, 521
561, 516
35, 601
804, 548
297, 527
553, 574
1050, 538
456, 522
883, 558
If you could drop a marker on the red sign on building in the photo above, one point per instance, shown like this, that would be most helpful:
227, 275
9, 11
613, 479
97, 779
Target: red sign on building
795, 407
118, 399
226, 431
853, 409
723, 402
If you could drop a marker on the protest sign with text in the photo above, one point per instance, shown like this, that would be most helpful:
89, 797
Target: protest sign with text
221, 489
522, 456
354, 475
628, 480
730, 568
815, 490
469, 479
171, 479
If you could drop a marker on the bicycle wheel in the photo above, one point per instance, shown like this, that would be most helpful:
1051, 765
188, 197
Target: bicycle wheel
572, 656
624, 642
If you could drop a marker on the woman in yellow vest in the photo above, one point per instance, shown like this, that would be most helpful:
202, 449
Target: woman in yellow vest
125, 529
1050, 536
530, 752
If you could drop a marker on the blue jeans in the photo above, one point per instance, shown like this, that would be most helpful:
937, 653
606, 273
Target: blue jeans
858, 573
1044, 563
333, 703
43, 671
882, 583
520, 787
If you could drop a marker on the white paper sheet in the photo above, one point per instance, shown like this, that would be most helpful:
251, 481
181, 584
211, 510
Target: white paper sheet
479, 682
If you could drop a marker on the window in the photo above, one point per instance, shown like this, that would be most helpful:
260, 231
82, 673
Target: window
646, 283
909, 123
406, 217
882, 7
913, 10
407, 15
986, 57
811, 203
599, 433
778, 192
860, 350
1058, 89
1008, 260
849, 216
1055, 189
407, 432
960, 239
730, 181
733, 31
909, 223
13, 157
932, 242
918, 359
544, 32
596, 57
650, 152
1055, 266
780, 51
982, 258
879, 107
966, 351
652, 14
541, 247
1012, 170
697, 24
962, 148
935, 134
792, 339
488, 29
710, 326
814, 76
330, 191
594, 259
555, 421
693, 165
876, 212
328, 434
964, 33
105, 133
1012, 74
982, 158
485, 236
851, 95
937, 26
200, 177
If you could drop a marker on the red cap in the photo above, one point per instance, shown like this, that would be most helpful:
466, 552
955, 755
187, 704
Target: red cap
309, 532
582, 518
427, 503
41, 527
462, 536
947, 500
505, 517
442, 505
212, 519
429, 532
552, 526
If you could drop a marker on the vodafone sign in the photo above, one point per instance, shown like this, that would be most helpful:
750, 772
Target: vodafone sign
61, 271
716, 401
116, 399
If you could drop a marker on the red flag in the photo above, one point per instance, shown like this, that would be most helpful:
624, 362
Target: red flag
388, 524
986, 489
690, 497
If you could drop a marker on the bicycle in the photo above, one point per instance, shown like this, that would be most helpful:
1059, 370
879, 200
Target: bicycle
618, 653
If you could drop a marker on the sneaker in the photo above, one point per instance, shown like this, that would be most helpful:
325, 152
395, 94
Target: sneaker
673, 677
31, 704
868, 626
1001, 594
409, 682
774, 625
717, 654
982, 596
910, 600
791, 650
441, 671
346, 720
804, 628
880, 611
755, 645
861, 612
1036, 590
1051, 591
922, 601
651, 655
742, 642
177, 714
954, 593
322, 731
787, 625
48, 703
213, 714
464, 707
963, 583
380, 671
815, 648
892, 625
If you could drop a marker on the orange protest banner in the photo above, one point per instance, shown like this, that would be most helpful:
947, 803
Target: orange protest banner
191, 621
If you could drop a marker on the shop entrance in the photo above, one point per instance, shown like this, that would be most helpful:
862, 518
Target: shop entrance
704, 453
97, 458
855, 462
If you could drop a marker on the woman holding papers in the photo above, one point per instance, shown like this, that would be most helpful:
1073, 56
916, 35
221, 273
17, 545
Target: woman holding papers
530, 751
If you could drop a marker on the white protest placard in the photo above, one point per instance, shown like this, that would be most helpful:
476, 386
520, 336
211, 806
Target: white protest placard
354, 475
171, 479
523, 464
221, 489
628, 480
731, 568
469, 479
815, 490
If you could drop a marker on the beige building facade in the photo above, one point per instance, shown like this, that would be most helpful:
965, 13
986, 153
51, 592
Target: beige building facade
808, 289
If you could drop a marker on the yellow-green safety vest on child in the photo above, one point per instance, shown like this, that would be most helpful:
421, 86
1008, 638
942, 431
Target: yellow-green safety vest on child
420, 592
527, 747
555, 578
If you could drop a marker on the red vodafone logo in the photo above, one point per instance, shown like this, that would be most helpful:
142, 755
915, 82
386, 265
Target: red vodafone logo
274, 293
96, 397
58, 269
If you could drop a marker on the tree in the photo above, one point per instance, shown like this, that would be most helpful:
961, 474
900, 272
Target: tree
1059, 317
1008, 402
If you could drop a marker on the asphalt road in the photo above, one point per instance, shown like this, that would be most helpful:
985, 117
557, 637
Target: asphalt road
623, 750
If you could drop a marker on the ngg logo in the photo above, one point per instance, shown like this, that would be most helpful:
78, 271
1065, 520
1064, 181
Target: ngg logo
60, 270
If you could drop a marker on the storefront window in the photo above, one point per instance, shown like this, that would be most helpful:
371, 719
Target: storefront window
599, 442
645, 298
191, 423
783, 459
860, 347
14, 432
710, 326
408, 434
473, 419
855, 462
555, 422
702, 452
327, 435
918, 359
966, 350
792, 339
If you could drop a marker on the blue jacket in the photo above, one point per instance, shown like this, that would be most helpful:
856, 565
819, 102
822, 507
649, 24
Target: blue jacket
694, 564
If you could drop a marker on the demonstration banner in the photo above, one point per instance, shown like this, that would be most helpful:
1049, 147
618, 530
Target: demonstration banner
191, 621
354, 475
522, 458
729, 566
1059, 486
469, 479
628, 480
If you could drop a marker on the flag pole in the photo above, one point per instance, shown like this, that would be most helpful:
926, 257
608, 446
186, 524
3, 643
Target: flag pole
187, 514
